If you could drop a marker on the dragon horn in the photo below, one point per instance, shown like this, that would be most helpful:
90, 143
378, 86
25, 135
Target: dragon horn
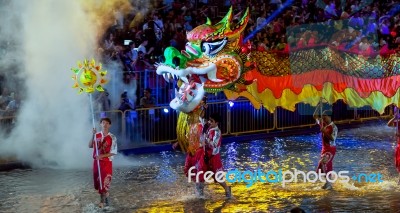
243, 21
208, 21
225, 22
245, 17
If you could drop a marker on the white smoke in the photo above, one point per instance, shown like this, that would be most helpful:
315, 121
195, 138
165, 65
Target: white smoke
40, 41
46, 38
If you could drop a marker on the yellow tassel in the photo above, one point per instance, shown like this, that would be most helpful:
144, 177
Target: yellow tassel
183, 130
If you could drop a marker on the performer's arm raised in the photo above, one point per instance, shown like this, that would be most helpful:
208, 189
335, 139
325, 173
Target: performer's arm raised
317, 115
92, 139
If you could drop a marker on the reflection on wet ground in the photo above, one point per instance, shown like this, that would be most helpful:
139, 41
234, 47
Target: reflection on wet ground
155, 182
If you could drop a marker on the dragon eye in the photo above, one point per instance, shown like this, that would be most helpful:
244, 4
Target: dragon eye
205, 48
212, 48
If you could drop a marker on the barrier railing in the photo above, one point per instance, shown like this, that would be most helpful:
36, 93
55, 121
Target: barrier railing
149, 126
366, 113
345, 113
246, 119
7, 120
302, 117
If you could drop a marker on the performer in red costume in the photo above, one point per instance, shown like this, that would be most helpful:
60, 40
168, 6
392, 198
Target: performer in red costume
394, 122
213, 146
328, 133
107, 148
195, 155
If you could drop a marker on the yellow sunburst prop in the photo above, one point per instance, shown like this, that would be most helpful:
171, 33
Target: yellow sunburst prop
89, 76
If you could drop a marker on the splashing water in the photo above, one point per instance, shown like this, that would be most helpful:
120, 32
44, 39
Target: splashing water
166, 174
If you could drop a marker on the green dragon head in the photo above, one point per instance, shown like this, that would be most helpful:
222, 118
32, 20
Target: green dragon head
209, 63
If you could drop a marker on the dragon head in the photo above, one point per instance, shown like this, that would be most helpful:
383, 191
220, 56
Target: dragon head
211, 61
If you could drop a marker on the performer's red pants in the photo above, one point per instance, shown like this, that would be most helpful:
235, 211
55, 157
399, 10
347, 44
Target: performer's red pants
397, 158
196, 160
106, 175
330, 153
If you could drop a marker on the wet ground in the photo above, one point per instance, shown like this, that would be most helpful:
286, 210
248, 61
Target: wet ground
155, 182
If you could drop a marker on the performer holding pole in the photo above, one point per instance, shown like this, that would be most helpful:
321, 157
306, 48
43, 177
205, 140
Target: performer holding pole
213, 147
328, 134
105, 147
394, 122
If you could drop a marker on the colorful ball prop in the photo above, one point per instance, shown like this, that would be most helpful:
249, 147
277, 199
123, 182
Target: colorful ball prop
89, 77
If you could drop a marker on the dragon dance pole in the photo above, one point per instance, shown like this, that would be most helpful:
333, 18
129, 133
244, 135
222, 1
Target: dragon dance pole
321, 106
396, 118
95, 142
321, 110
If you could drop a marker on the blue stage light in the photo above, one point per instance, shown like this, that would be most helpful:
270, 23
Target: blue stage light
166, 110
269, 19
231, 103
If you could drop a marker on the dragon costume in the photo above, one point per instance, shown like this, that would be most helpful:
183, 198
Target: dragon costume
216, 59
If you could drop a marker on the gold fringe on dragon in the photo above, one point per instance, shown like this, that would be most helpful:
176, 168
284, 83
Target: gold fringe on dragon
216, 59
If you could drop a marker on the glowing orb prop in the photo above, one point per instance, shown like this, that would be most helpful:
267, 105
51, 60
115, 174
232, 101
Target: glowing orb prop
89, 76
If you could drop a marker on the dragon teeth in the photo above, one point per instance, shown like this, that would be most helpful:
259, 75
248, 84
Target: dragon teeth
184, 79
212, 76
165, 75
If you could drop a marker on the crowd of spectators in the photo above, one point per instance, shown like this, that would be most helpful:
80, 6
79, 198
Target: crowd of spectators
364, 22
138, 45
353, 25
361, 26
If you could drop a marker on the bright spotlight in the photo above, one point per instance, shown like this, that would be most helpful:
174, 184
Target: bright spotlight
166, 110
231, 103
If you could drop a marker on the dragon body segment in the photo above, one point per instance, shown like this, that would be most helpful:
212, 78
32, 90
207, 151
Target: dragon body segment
333, 74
